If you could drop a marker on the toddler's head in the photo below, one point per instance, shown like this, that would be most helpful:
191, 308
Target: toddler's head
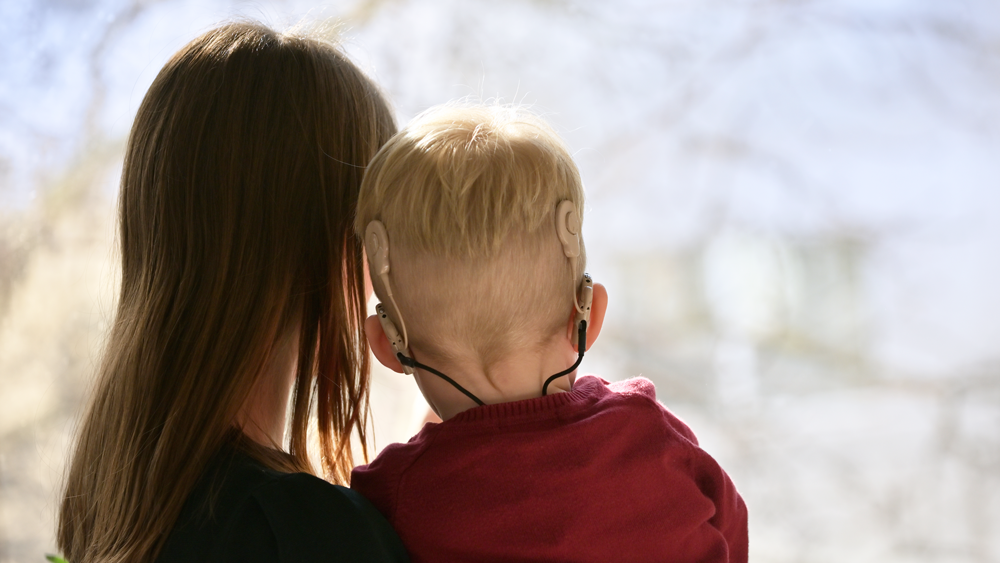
469, 197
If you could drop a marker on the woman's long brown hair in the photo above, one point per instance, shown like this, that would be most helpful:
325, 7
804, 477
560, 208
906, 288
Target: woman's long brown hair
236, 213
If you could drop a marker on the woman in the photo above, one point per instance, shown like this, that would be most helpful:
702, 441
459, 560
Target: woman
242, 291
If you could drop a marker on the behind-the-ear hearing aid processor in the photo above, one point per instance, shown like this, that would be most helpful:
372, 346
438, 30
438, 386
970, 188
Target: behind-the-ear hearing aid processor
377, 245
398, 345
584, 299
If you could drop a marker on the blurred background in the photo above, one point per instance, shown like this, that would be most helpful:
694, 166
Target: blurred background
794, 204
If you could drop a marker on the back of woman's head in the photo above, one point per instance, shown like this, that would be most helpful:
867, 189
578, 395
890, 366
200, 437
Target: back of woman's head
236, 213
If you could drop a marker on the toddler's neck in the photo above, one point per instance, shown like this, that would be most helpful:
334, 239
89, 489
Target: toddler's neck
515, 377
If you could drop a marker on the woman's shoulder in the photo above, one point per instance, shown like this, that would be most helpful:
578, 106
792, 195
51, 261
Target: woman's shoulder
249, 513
336, 519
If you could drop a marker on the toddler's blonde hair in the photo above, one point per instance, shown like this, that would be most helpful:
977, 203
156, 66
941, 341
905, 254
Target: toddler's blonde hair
468, 196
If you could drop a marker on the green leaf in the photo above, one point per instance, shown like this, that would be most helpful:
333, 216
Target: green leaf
55, 558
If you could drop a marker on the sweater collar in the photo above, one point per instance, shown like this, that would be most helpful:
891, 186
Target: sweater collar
586, 389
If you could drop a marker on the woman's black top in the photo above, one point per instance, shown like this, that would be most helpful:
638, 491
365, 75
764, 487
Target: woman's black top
243, 512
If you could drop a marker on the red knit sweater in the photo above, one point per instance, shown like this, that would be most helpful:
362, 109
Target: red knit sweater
602, 473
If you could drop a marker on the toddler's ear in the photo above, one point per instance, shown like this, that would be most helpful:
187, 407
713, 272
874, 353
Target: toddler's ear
598, 308
380, 345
